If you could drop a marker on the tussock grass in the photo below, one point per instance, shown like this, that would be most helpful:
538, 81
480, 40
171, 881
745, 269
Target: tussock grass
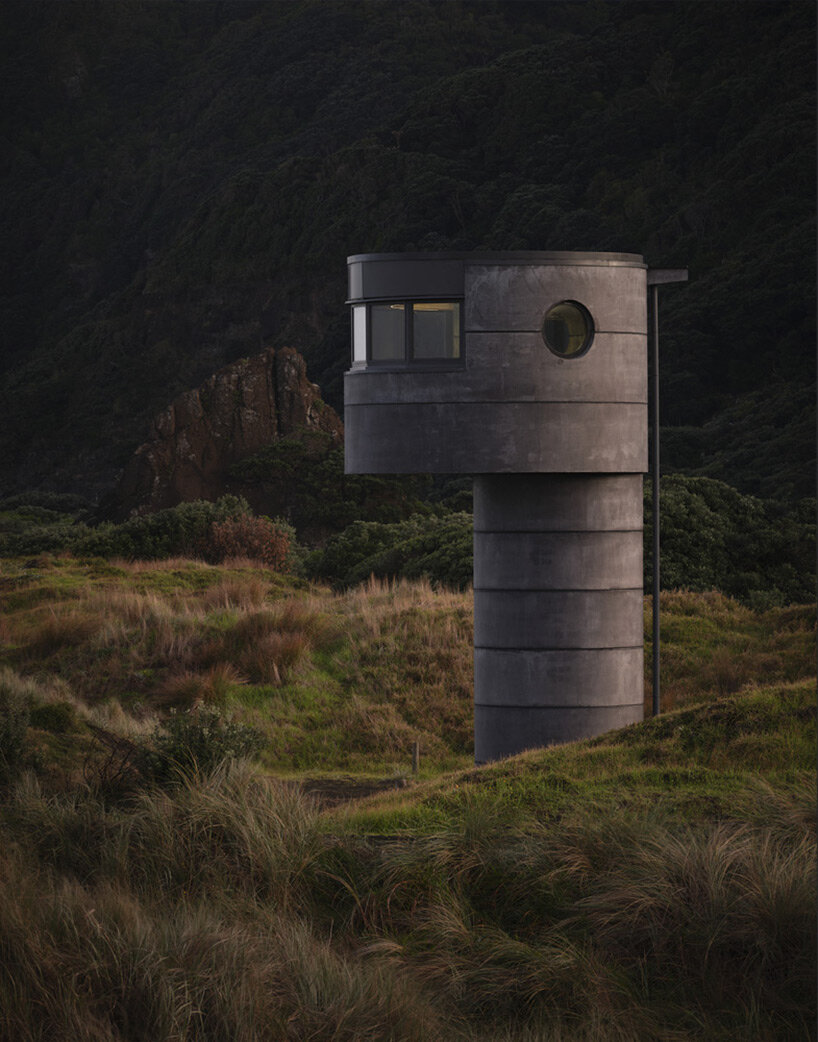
191, 689
87, 962
655, 883
411, 648
225, 907
244, 592
230, 826
174, 647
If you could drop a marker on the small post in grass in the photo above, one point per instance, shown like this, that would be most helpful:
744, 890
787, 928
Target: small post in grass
415, 757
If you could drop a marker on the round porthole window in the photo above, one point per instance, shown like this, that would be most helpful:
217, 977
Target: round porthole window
568, 329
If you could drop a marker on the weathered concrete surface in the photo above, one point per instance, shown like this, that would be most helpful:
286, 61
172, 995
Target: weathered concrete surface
558, 628
505, 297
514, 367
489, 437
558, 503
558, 561
502, 731
597, 676
557, 619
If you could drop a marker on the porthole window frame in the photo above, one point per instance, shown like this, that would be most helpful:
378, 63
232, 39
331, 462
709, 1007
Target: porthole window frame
590, 326
408, 361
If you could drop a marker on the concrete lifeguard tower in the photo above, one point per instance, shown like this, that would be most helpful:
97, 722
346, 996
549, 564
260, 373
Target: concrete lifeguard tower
529, 372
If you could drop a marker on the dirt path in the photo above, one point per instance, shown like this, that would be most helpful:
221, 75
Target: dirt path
331, 791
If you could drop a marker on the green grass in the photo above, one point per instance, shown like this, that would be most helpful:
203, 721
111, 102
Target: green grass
345, 682
697, 763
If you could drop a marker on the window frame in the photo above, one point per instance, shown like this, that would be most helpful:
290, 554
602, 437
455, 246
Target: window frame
590, 330
408, 361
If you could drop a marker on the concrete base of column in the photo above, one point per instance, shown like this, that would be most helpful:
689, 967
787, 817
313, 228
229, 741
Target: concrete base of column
501, 731
558, 609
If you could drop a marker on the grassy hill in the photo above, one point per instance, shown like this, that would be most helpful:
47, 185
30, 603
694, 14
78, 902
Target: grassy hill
336, 681
653, 883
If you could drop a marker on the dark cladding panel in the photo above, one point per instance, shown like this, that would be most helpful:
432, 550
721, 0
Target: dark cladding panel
356, 281
405, 279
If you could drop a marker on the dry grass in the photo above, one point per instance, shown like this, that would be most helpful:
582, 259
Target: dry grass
411, 647
224, 910
377, 667
188, 690
95, 963
543, 903
59, 630
272, 658
164, 564
174, 648
245, 592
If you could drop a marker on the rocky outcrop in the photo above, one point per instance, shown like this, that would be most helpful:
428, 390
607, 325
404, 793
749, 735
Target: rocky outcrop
236, 412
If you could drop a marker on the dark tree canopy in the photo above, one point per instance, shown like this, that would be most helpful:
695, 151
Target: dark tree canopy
183, 183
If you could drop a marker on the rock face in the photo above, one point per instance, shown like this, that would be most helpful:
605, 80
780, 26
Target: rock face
236, 412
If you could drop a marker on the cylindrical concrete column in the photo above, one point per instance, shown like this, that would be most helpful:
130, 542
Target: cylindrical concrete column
558, 636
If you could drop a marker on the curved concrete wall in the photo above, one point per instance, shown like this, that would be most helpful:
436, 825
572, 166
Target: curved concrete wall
558, 631
510, 405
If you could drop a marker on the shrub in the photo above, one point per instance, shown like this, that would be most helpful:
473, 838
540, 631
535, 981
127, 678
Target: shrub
175, 532
56, 717
306, 472
257, 538
714, 537
27, 531
439, 548
198, 741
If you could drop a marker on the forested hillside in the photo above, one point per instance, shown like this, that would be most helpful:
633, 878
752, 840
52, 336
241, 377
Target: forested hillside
182, 183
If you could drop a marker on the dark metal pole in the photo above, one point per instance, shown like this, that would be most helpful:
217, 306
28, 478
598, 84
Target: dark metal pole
655, 490
657, 277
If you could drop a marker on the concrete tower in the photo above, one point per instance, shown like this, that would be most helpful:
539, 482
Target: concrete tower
529, 371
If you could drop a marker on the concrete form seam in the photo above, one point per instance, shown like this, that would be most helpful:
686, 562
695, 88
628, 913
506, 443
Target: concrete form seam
557, 589
505, 401
561, 647
613, 705
556, 531
536, 332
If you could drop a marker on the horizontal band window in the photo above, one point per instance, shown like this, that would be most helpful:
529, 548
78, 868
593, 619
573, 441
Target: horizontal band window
403, 332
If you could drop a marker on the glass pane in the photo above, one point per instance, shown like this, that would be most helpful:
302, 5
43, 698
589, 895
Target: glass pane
388, 332
568, 329
359, 333
436, 330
